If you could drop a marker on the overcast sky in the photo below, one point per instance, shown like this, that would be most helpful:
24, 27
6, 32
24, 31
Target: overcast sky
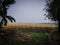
28, 11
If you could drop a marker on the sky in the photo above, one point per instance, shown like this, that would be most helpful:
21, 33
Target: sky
29, 11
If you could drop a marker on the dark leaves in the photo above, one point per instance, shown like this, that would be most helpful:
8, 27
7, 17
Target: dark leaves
8, 2
10, 18
4, 5
53, 5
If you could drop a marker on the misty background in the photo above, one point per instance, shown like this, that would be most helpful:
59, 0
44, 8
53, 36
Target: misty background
29, 11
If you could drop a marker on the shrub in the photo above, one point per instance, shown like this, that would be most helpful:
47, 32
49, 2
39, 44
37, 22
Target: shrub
6, 36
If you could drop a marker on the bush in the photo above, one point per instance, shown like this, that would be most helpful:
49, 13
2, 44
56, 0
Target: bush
6, 36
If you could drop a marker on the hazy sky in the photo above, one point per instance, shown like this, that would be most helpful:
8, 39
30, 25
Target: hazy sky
28, 11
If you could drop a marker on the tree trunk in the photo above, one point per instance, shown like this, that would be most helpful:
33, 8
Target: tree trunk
58, 34
58, 19
59, 26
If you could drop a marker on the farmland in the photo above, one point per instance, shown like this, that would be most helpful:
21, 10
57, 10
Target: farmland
29, 34
29, 25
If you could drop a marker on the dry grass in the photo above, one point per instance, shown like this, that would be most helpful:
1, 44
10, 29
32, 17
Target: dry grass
29, 25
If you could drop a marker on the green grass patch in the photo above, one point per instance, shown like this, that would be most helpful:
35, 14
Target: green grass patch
38, 39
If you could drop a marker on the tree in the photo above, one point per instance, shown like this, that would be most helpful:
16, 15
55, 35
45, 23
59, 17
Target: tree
4, 5
53, 9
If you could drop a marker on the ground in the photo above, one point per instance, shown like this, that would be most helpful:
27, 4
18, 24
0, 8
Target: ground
28, 35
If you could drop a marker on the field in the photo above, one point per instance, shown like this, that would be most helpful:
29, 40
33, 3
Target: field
29, 25
29, 34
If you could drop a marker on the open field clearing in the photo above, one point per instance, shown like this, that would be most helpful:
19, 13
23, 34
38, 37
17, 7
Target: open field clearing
29, 25
29, 34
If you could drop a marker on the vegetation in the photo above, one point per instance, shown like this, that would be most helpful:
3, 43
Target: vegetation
53, 9
37, 39
4, 5
25, 37
30, 35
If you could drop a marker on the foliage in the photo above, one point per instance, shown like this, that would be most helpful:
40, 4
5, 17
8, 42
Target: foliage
28, 37
6, 37
37, 38
53, 9
4, 5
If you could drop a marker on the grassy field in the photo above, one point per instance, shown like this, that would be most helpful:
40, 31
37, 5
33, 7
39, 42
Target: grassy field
34, 39
30, 34
30, 26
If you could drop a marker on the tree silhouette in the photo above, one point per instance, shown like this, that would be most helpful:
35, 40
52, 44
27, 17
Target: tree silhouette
4, 5
53, 9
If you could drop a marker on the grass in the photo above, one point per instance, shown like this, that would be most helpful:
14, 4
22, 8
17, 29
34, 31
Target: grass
37, 32
30, 25
38, 39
